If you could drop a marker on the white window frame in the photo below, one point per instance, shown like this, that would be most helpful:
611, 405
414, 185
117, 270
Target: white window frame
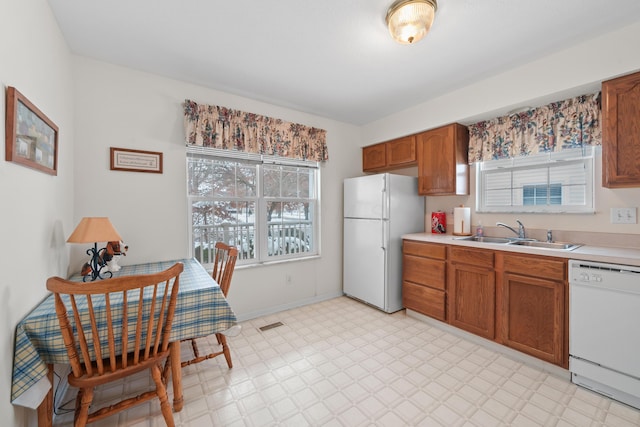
579, 156
261, 241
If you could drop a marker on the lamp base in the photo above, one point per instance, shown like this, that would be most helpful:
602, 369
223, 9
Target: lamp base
94, 267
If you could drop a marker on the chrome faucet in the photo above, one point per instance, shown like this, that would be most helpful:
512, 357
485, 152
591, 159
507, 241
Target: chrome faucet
520, 232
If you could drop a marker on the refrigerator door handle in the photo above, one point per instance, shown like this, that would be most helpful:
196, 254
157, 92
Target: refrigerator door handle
382, 241
383, 195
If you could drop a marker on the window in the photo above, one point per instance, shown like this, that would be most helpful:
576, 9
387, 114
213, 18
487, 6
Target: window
267, 207
542, 194
543, 183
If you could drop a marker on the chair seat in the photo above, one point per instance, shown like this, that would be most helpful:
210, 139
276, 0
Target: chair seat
112, 375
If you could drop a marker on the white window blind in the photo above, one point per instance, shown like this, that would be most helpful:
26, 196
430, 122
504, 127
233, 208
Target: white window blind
541, 183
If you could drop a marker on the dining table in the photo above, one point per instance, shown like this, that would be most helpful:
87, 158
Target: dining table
201, 310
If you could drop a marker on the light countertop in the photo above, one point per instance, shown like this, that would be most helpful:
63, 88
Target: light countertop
590, 252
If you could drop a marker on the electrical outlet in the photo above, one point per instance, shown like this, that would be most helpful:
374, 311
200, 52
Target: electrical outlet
623, 216
287, 279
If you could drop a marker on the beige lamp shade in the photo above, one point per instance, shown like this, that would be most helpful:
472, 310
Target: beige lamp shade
410, 20
94, 229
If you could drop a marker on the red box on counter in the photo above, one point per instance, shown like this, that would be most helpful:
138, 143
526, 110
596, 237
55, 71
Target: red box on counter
438, 222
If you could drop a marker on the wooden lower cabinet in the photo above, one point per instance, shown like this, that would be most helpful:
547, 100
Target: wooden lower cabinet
518, 300
532, 308
424, 300
423, 278
472, 291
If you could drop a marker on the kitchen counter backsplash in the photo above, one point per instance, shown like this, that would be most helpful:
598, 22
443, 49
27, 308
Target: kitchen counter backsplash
613, 240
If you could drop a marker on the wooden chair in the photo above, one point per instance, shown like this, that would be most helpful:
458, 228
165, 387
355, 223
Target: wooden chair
223, 266
95, 353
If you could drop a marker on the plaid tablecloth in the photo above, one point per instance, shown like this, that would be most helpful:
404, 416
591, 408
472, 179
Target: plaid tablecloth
201, 310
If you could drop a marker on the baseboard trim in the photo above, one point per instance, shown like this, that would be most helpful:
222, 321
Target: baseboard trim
288, 306
499, 348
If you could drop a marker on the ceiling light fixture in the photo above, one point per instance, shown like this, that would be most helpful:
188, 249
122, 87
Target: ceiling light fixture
410, 20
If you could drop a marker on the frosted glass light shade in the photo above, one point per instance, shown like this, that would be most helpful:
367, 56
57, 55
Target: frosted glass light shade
410, 20
94, 229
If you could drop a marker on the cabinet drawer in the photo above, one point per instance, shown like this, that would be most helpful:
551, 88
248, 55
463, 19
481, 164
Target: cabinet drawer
537, 267
430, 302
479, 257
423, 271
430, 250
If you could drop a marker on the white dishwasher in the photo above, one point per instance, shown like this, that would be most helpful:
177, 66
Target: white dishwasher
604, 322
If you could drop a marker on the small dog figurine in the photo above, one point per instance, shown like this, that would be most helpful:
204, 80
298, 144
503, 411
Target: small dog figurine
86, 269
107, 259
112, 254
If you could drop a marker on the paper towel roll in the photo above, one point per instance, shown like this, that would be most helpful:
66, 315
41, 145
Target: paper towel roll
462, 221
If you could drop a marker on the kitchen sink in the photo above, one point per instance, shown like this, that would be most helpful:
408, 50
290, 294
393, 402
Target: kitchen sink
547, 245
486, 239
531, 243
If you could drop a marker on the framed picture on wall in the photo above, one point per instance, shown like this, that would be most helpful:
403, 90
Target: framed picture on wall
31, 138
124, 159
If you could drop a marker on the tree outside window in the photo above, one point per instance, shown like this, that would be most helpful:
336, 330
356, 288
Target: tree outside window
268, 211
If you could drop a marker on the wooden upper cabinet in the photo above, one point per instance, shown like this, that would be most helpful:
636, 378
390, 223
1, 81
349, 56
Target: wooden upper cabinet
621, 132
394, 154
401, 152
374, 157
443, 167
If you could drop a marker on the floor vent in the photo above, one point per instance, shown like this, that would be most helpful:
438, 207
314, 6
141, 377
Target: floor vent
271, 326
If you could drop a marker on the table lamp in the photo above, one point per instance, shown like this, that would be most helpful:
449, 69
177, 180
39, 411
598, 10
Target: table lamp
94, 230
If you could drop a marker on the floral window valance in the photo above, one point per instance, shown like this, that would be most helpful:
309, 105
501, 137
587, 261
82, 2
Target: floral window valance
557, 126
220, 127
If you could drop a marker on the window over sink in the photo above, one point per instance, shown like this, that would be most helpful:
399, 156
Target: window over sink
558, 182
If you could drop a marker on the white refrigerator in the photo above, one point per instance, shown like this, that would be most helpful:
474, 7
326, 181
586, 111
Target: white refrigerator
378, 210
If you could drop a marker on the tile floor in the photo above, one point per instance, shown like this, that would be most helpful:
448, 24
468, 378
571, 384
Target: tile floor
342, 363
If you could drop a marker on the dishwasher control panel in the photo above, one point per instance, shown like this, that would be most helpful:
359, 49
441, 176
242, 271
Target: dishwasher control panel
610, 276
586, 277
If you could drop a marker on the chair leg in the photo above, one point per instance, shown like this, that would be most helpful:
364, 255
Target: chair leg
161, 391
166, 371
194, 346
83, 401
225, 349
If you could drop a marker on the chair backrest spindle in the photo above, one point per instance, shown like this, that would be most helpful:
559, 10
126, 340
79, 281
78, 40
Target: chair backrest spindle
112, 353
125, 329
224, 265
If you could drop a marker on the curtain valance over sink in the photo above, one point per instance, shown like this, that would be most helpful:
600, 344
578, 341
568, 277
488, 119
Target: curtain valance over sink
571, 123
224, 128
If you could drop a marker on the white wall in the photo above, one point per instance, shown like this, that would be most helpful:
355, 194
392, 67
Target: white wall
560, 75
119, 107
37, 208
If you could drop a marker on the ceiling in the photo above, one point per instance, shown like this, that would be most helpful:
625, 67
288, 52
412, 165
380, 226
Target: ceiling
332, 58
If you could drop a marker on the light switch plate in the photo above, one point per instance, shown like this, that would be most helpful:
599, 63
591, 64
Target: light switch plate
623, 216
